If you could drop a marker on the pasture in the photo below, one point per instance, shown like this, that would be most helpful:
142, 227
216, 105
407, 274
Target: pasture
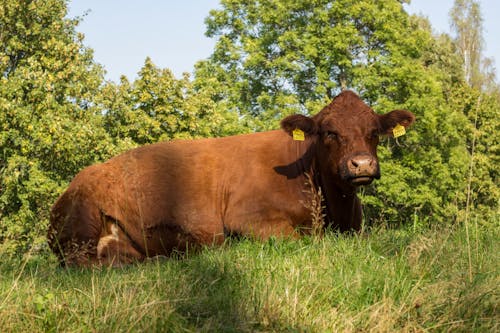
437, 272
402, 280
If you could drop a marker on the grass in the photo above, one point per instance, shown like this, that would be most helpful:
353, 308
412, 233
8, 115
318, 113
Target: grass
384, 281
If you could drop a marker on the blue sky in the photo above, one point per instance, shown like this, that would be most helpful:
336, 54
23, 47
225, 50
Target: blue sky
123, 33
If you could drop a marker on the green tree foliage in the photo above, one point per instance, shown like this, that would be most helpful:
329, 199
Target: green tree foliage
49, 127
157, 106
478, 100
483, 149
289, 56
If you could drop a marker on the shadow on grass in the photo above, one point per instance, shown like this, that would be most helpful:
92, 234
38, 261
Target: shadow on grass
220, 292
212, 290
216, 297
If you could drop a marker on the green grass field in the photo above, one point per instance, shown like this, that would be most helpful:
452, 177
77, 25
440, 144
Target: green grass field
381, 281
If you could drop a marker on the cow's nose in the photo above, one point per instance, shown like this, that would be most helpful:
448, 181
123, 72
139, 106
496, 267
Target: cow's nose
361, 162
363, 165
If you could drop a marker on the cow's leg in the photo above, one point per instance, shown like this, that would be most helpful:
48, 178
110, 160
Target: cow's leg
115, 247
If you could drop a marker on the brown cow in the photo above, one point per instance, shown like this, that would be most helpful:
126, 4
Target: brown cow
170, 195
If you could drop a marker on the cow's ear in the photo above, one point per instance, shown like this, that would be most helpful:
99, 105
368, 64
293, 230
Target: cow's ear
394, 118
301, 122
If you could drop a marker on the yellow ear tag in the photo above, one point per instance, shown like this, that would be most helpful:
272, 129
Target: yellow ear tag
398, 131
298, 134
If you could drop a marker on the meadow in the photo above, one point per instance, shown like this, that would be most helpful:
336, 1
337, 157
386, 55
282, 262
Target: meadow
382, 280
437, 272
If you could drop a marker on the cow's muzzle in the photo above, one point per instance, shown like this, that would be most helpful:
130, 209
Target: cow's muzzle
362, 169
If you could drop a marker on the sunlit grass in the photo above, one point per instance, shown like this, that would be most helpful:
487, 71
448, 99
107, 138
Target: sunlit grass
384, 281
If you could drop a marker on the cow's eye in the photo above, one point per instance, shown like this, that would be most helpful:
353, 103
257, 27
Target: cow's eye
331, 135
374, 134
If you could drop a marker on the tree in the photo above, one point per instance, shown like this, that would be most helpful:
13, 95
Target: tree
479, 102
50, 127
482, 150
467, 23
157, 106
292, 56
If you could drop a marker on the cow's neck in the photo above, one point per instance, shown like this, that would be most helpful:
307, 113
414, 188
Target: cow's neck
342, 206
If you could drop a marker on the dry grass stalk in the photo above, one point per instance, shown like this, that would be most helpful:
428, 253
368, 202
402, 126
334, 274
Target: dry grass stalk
468, 203
316, 206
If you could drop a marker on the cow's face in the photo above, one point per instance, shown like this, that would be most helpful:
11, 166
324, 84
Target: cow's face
347, 133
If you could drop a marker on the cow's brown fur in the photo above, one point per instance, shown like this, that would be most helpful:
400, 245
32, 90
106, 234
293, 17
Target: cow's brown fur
171, 195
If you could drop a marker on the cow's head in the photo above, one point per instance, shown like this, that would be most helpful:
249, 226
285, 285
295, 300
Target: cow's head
347, 133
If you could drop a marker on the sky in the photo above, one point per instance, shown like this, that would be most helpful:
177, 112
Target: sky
123, 33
